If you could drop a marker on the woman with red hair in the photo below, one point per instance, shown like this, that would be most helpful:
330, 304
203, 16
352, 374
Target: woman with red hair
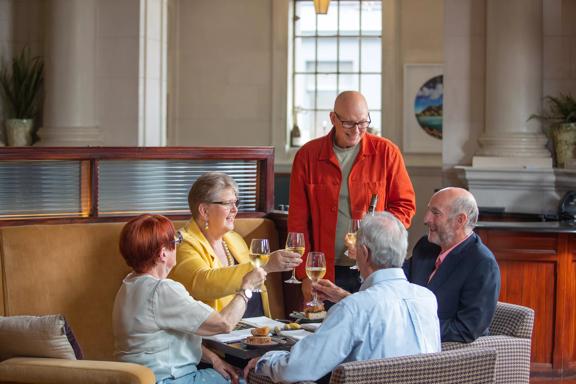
155, 320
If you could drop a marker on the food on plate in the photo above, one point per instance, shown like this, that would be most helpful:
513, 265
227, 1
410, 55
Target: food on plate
259, 336
292, 326
286, 327
261, 331
315, 312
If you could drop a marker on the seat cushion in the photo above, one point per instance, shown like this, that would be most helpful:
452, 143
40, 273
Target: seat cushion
37, 336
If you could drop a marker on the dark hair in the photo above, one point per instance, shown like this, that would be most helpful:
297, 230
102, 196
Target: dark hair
206, 187
142, 239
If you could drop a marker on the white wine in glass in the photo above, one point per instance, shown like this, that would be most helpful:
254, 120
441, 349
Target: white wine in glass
351, 237
295, 243
259, 251
315, 270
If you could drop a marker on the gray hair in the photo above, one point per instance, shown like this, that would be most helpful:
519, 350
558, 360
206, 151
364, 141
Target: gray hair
206, 188
467, 205
386, 238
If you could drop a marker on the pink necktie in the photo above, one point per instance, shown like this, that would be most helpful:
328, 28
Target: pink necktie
436, 266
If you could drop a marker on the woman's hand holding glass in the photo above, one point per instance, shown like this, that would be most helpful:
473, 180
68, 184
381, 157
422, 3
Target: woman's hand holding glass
295, 244
259, 251
253, 279
277, 261
315, 270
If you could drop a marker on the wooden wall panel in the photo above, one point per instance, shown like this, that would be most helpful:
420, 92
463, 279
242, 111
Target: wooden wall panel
532, 284
538, 268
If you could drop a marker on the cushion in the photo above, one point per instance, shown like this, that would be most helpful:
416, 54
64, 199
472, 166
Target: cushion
37, 336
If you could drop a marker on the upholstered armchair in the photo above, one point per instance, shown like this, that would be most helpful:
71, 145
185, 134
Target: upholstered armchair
511, 337
466, 365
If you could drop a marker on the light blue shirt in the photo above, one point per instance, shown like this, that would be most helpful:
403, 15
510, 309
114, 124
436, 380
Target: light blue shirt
388, 317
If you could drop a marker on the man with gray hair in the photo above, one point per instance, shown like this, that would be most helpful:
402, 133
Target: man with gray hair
387, 317
453, 263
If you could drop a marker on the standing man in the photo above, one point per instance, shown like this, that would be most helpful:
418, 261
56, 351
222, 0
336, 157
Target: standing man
333, 180
453, 263
388, 317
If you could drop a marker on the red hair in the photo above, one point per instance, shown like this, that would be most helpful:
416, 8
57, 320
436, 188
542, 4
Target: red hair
142, 239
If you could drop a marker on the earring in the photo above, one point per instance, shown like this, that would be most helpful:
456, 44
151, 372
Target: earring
206, 225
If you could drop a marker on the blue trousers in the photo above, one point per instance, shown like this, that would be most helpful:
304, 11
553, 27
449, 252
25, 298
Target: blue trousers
201, 376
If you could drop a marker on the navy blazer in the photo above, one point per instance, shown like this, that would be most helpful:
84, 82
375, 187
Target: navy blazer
466, 285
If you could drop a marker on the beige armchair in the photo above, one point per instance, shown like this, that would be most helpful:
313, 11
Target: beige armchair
511, 337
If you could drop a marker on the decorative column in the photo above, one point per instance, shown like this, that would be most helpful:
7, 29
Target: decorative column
513, 87
70, 102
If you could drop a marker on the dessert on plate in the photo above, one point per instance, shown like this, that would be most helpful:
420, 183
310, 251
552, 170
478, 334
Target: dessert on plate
315, 312
259, 336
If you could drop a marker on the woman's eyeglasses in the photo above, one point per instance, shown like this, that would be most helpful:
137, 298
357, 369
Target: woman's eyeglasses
227, 204
178, 239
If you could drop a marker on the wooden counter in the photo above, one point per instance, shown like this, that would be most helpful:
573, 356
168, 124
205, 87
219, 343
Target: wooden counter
538, 268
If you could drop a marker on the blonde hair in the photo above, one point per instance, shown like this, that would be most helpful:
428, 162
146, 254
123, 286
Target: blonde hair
206, 188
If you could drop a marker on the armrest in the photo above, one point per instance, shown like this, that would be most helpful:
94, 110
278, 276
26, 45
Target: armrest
47, 370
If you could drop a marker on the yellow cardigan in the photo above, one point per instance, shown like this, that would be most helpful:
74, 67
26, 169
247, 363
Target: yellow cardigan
201, 272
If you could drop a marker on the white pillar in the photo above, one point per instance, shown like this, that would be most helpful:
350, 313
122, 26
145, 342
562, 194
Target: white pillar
513, 87
70, 116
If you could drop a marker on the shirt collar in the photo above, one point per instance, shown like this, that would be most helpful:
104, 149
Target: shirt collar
327, 151
383, 275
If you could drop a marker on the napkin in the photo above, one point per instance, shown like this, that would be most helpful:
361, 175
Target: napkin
297, 334
231, 337
262, 321
311, 326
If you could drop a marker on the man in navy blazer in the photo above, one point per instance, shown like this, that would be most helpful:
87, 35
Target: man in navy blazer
453, 263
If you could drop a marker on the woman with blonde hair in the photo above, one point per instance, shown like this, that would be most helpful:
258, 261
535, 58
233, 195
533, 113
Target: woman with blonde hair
213, 258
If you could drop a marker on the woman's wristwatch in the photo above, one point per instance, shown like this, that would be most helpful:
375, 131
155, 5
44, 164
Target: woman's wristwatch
246, 294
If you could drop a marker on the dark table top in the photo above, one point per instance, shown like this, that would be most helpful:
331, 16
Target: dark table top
244, 352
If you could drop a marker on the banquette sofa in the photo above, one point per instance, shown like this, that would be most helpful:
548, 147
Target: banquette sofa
75, 270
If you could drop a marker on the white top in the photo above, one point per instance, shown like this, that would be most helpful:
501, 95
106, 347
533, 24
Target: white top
154, 324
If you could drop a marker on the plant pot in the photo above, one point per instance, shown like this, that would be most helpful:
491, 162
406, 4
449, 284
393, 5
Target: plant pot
19, 132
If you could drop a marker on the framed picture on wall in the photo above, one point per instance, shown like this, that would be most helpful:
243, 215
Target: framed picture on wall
423, 108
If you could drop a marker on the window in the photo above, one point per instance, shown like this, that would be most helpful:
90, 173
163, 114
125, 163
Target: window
333, 53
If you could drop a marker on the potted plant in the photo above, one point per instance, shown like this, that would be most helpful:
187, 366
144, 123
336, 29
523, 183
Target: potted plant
559, 118
20, 88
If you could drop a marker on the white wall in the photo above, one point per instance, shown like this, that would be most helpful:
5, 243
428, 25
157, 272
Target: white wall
223, 70
21, 24
118, 35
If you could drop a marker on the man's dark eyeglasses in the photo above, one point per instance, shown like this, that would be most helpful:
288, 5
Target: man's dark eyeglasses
351, 124
227, 204
178, 239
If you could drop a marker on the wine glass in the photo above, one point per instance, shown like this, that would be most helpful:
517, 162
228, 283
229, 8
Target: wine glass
259, 251
315, 270
353, 228
295, 243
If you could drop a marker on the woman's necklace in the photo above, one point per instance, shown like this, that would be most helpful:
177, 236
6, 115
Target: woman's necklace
228, 254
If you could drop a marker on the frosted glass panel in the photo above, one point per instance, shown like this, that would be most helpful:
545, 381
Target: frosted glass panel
134, 187
40, 188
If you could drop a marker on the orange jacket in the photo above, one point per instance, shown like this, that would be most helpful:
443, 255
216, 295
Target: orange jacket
315, 185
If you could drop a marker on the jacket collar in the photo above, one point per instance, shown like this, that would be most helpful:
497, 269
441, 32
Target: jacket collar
193, 234
451, 262
327, 151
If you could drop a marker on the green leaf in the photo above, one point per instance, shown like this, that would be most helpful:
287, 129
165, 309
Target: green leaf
21, 84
